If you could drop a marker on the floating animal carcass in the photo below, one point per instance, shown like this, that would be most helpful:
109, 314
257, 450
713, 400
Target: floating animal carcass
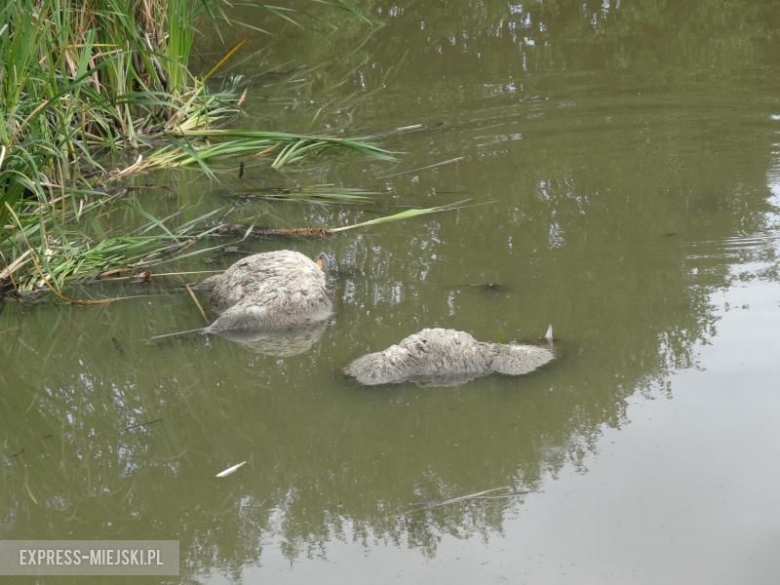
271, 290
445, 357
275, 303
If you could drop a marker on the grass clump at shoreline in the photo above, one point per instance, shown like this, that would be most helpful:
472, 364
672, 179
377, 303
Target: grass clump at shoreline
88, 81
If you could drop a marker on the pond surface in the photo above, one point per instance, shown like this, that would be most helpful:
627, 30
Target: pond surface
623, 162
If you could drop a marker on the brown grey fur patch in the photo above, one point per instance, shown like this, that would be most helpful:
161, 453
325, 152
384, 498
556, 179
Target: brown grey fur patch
282, 289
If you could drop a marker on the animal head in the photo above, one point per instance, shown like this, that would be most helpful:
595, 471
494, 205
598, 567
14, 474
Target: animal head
515, 360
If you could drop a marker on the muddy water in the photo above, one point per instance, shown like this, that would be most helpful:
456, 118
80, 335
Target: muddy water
626, 159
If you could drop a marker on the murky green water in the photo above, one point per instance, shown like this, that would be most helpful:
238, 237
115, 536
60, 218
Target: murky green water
628, 155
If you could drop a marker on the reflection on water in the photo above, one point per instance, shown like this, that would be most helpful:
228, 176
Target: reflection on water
627, 156
284, 343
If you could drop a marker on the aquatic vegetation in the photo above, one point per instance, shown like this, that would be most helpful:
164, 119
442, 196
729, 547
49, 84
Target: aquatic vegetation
87, 86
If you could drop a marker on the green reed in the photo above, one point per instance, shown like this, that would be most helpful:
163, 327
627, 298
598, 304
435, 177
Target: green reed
88, 81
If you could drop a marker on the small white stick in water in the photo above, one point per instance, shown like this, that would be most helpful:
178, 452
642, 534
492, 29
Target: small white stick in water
549, 335
231, 470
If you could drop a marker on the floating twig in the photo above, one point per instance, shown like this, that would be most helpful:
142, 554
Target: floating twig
144, 276
156, 338
483, 495
142, 424
235, 229
197, 303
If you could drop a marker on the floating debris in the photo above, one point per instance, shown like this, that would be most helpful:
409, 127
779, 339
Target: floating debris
489, 494
118, 346
491, 287
142, 424
231, 470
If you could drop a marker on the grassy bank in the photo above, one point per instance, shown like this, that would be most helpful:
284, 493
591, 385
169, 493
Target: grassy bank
83, 82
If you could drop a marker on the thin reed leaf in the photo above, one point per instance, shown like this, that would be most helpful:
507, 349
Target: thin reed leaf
406, 214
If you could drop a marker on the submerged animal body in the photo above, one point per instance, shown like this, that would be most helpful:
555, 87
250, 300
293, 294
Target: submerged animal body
272, 290
445, 357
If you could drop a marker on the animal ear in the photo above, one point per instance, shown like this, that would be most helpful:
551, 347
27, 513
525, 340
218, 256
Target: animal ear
323, 262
